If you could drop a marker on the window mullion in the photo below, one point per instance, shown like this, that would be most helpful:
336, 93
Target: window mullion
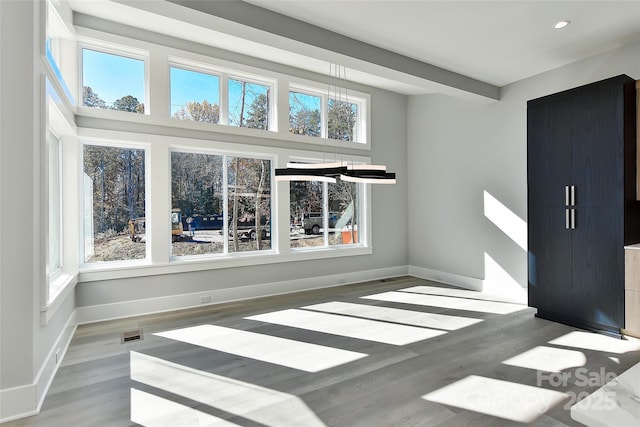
325, 213
224, 100
225, 205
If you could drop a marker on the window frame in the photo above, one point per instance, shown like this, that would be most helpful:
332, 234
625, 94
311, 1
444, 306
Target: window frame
196, 68
360, 99
226, 154
103, 265
109, 48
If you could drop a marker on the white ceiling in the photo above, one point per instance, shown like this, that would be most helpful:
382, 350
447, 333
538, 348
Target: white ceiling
498, 42
495, 42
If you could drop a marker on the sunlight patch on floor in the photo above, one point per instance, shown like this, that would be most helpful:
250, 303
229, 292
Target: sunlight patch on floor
153, 411
345, 326
396, 315
280, 351
447, 302
597, 342
549, 359
462, 293
256, 403
498, 398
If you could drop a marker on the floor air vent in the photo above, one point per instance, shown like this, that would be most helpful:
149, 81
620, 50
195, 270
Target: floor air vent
132, 336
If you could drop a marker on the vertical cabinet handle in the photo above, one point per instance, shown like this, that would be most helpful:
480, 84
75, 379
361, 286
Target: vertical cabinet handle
573, 219
573, 195
567, 219
566, 195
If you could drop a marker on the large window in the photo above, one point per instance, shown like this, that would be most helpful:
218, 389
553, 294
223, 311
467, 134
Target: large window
114, 203
216, 212
195, 95
112, 82
324, 214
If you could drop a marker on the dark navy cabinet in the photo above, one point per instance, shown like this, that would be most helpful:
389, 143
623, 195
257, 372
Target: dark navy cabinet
581, 170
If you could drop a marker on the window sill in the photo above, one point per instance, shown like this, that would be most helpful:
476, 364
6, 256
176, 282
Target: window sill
120, 270
60, 287
146, 119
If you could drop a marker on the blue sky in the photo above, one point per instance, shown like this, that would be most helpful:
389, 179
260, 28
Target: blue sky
111, 77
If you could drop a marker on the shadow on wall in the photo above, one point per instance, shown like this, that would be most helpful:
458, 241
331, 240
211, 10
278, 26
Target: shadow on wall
497, 281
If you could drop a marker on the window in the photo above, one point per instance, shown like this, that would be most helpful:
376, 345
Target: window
195, 96
112, 82
249, 104
214, 215
343, 212
114, 203
342, 121
324, 214
60, 49
335, 116
304, 114
55, 207
249, 201
197, 199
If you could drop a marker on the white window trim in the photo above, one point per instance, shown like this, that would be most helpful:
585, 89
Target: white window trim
98, 40
158, 260
125, 51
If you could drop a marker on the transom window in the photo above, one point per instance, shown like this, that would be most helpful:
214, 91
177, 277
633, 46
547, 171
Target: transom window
248, 104
195, 95
313, 113
112, 82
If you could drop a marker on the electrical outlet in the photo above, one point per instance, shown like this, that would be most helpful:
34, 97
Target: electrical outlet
205, 299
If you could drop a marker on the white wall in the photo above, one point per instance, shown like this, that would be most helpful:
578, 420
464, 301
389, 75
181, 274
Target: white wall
27, 346
389, 211
458, 149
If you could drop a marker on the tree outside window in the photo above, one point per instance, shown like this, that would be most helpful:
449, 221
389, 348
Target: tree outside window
114, 197
248, 104
112, 82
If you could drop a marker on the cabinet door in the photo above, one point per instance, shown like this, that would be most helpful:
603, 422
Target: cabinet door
548, 151
550, 285
598, 266
597, 144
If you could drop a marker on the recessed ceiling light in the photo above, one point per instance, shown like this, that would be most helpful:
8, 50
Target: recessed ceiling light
561, 24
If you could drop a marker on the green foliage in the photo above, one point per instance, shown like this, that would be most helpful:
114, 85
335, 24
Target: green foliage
118, 185
304, 121
258, 114
342, 120
91, 99
128, 103
196, 183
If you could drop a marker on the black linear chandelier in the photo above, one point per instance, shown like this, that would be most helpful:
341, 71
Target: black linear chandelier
343, 170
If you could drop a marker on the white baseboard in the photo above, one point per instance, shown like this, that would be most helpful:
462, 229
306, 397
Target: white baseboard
26, 400
18, 402
98, 313
465, 282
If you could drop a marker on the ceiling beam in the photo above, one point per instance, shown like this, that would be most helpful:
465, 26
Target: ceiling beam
289, 28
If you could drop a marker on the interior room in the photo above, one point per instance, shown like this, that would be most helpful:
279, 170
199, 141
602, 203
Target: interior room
178, 250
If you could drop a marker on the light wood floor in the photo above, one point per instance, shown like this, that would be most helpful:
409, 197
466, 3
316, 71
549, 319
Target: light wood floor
384, 386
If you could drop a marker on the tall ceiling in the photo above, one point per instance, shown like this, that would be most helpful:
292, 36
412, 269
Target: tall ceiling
410, 46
